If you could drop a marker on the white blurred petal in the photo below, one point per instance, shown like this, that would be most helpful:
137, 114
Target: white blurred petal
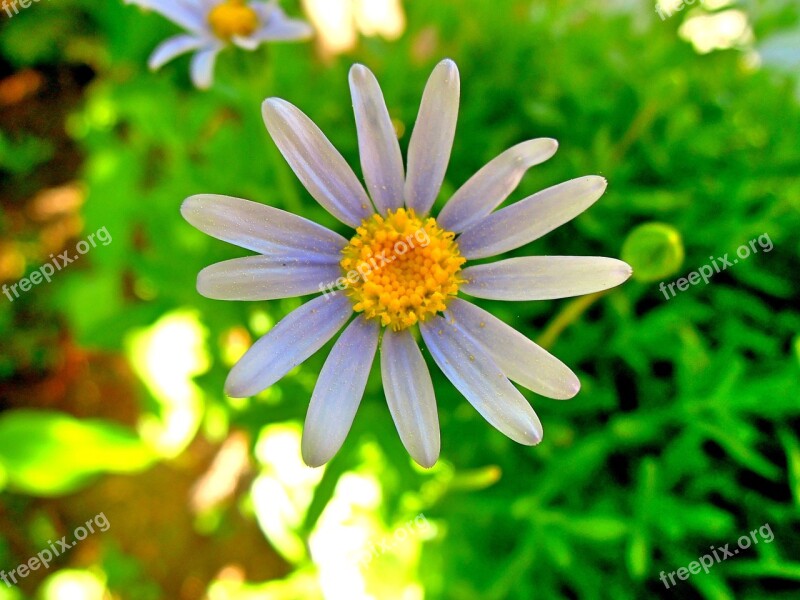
279, 27
188, 15
174, 47
248, 43
202, 67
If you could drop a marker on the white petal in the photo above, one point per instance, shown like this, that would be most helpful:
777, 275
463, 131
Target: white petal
480, 380
381, 161
544, 277
186, 14
317, 164
338, 392
518, 357
489, 187
296, 337
432, 140
531, 218
246, 42
278, 27
265, 278
202, 67
409, 394
173, 47
262, 228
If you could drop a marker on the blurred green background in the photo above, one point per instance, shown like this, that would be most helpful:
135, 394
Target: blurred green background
685, 435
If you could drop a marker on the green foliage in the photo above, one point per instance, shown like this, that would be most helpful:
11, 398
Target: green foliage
24, 155
47, 453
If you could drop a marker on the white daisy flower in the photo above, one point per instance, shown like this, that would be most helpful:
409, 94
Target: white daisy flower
401, 271
214, 24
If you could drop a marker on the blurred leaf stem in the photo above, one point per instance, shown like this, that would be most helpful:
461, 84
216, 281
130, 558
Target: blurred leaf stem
568, 315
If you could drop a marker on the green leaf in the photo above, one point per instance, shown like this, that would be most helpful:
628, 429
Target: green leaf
598, 529
48, 453
21, 156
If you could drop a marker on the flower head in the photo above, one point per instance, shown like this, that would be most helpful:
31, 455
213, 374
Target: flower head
212, 25
401, 271
419, 273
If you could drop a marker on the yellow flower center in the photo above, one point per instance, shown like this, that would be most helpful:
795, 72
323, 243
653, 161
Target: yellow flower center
231, 18
401, 269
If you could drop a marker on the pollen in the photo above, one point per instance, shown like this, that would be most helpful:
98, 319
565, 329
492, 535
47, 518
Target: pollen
401, 269
232, 18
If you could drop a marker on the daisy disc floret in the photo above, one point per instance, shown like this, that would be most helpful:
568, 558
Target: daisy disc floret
401, 272
407, 268
233, 18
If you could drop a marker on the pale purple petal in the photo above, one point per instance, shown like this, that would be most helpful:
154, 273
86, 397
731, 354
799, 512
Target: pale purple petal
262, 228
276, 26
174, 47
296, 337
265, 278
432, 139
490, 186
317, 164
338, 392
202, 67
186, 14
285, 30
518, 357
473, 372
530, 219
544, 277
381, 161
409, 394
248, 43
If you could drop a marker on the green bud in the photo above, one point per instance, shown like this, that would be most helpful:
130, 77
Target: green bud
654, 250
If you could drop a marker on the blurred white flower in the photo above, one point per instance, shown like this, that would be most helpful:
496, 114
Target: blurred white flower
718, 31
338, 22
212, 25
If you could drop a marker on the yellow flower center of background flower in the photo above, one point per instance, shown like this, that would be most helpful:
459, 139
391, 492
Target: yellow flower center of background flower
401, 269
231, 18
